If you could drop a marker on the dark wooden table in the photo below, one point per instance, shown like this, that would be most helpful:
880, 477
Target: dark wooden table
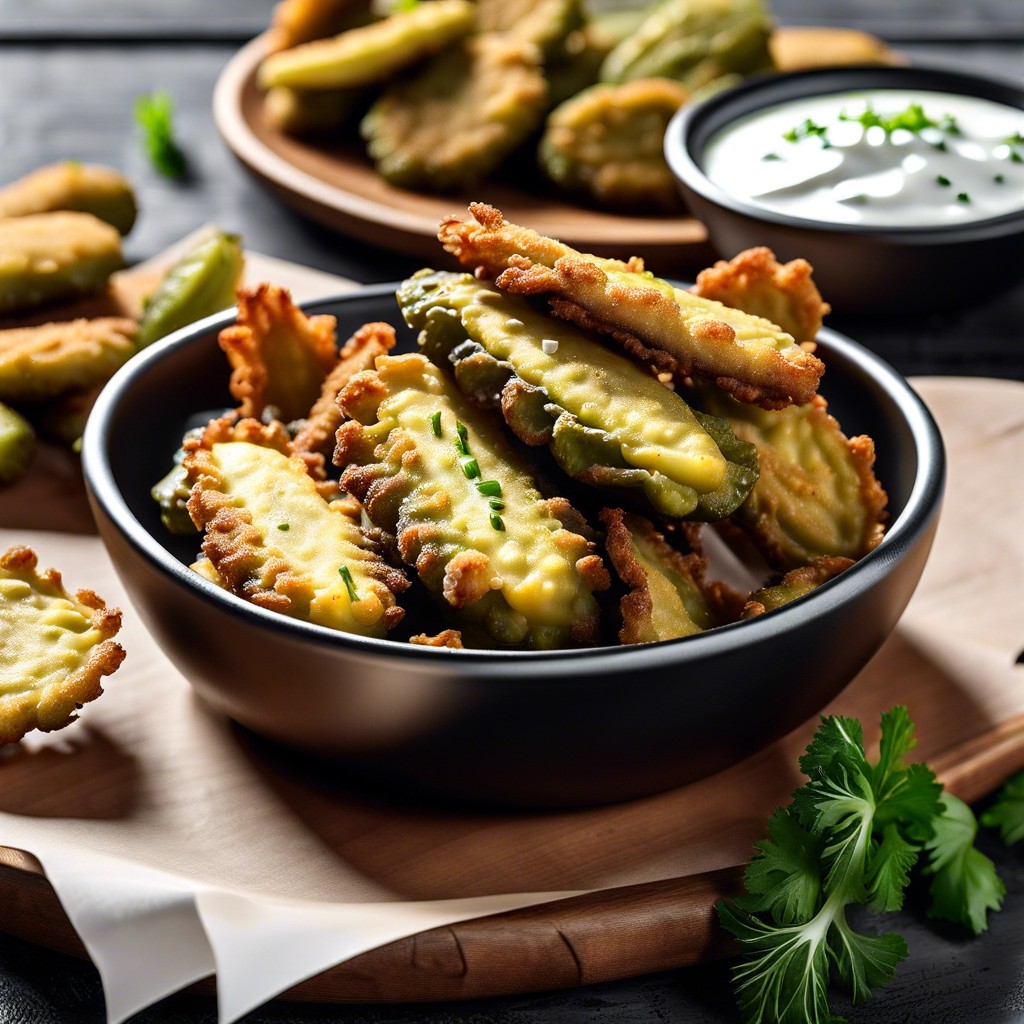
69, 73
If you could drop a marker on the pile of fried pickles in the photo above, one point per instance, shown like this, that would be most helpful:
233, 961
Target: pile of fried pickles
65, 323
540, 469
445, 92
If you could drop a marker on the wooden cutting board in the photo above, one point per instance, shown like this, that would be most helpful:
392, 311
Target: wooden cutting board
952, 661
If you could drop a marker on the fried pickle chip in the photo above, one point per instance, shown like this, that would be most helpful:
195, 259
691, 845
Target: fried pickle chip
279, 356
607, 143
275, 541
17, 445
798, 47
309, 112
796, 583
541, 23
302, 21
439, 476
606, 421
817, 493
451, 124
755, 282
675, 330
694, 42
372, 53
44, 362
45, 257
55, 648
68, 185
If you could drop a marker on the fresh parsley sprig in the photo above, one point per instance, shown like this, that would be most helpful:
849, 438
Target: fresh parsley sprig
154, 114
851, 836
1007, 813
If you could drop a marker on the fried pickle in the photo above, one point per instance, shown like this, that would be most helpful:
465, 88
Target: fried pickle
308, 112
674, 330
541, 23
17, 445
372, 53
301, 21
451, 124
796, 583
817, 493
45, 362
439, 477
69, 185
201, 283
45, 257
607, 143
55, 648
279, 356
755, 282
799, 47
573, 63
275, 541
450, 638
606, 421
694, 42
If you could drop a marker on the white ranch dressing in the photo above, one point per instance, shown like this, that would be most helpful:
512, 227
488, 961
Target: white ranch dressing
934, 177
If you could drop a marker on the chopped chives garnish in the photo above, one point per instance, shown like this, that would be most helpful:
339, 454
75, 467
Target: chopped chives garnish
350, 584
497, 504
771, 156
283, 527
949, 125
497, 522
999, 179
943, 180
460, 429
963, 197
1015, 139
435, 423
941, 146
489, 487
470, 466
1015, 157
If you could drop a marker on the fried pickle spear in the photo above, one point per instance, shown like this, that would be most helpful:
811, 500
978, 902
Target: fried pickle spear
796, 583
606, 421
817, 493
87, 188
372, 53
45, 257
755, 282
279, 356
454, 122
607, 143
55, 648
51, 360
275, 541
438, 476
694, 42
678, 332
668, 597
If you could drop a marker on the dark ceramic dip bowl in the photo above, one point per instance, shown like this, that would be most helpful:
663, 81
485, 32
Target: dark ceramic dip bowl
517, 728
860, 270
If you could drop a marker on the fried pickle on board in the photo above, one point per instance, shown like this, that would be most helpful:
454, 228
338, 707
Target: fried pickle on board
606, 421
272, 539
677, 331
55, 647
668, 597
796, 583
440, 478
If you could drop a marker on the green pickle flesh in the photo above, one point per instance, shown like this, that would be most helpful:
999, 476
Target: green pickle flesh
605, 420
17, 445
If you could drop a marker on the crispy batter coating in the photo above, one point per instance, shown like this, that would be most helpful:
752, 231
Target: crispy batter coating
606, 421
755, 282
607, 143
450, 638
694, 42
681, 333
541, 23
273, 539
796, 583
573, 63
454, 122
441, 479
310, 112
55, 648
798, 47
302, 21
279, 356
371, 53
668, 596
45, 257
817, 493
54, 359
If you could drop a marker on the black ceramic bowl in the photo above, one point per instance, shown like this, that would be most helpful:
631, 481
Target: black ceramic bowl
860, 270
520, 728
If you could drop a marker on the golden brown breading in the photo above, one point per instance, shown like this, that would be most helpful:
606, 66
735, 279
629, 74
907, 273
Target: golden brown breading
259, 509
450, 638
757, 283
55, 648
798, 47
302, 21
681, 333
55, 359
796, 583
279, 356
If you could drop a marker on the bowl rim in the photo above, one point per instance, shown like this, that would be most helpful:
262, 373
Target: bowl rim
922, 505
690, 128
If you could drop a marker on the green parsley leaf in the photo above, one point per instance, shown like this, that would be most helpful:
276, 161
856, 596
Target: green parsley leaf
1007, 813
154, 114
913, 119
965, 884
435, 423
962, 197
283, 527
350, 584
808, 130
943, 180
